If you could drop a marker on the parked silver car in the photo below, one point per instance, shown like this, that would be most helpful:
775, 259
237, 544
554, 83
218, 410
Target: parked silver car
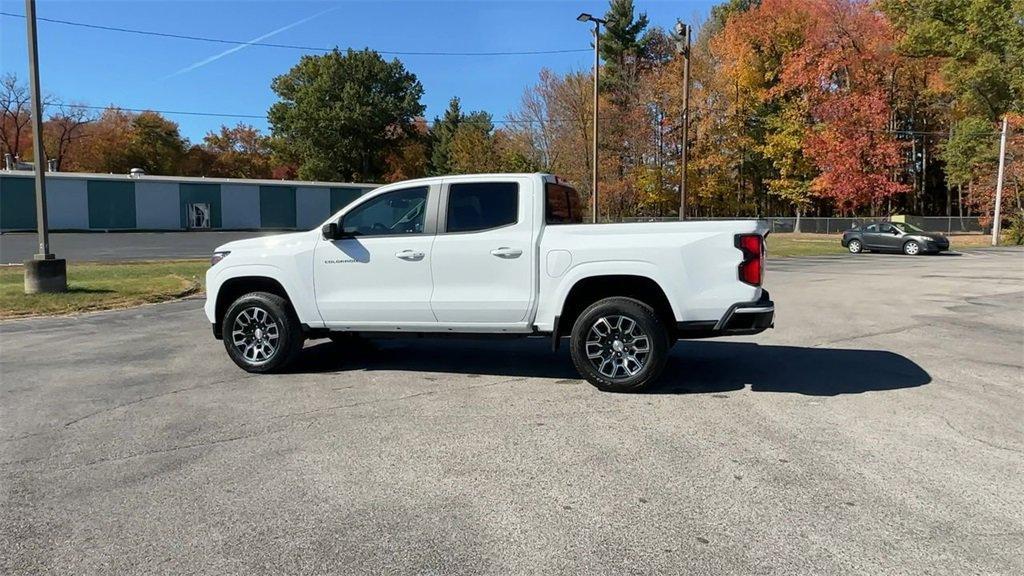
893, 237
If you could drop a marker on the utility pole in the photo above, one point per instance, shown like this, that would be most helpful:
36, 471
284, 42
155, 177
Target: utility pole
999, 182
597, 70
44, 273
683, 47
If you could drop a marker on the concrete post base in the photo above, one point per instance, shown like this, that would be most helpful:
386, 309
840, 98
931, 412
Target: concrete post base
46, 276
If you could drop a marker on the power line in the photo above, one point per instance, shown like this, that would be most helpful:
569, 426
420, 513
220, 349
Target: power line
170, 112
287, 46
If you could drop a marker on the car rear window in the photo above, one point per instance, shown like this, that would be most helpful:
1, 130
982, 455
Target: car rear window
562, 204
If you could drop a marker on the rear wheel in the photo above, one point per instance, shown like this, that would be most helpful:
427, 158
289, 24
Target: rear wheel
912, 248
855, 246
261, 332
619, 344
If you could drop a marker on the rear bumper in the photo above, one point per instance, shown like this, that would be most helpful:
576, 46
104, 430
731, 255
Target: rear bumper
742, 318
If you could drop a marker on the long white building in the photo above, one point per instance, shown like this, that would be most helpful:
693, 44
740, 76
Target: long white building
79, 201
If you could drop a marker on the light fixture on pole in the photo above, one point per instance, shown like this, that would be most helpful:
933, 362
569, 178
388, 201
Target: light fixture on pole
584, 17
45, 272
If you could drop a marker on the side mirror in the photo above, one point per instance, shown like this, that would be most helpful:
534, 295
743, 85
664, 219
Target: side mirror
895, 232
330, 231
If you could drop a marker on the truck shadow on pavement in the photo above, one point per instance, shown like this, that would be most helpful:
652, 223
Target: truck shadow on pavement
695, 367
710, 367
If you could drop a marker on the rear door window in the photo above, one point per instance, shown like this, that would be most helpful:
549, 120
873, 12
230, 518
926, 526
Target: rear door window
477, 206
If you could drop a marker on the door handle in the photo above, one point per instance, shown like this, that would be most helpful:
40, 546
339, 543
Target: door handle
410, 255
506, 252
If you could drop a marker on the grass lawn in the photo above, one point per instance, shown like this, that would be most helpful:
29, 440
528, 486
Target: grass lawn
785, 245
99, 286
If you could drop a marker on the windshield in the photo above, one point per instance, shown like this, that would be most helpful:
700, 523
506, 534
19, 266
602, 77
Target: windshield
906, 228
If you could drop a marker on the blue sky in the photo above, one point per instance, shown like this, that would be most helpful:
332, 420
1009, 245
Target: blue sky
98, 67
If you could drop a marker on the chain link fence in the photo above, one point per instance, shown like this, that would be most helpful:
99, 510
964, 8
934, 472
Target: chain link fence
811, 225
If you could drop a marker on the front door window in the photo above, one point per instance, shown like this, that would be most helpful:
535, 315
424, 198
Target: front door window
395, 213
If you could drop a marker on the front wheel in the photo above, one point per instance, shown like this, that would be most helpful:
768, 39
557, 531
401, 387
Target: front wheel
262, 333
619, 344
912, 248
855, 247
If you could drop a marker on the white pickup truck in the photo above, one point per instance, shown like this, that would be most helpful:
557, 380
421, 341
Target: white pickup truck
491, 254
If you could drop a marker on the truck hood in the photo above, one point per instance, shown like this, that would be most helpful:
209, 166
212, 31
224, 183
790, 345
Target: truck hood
270, 241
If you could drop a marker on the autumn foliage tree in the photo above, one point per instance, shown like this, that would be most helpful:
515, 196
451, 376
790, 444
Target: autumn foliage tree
240, 151
62, 132
816, 73
15, 123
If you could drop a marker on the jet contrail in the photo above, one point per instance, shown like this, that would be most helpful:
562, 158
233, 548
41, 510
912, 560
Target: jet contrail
248, 43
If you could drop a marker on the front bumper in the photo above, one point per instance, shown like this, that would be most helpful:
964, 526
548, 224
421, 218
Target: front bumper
741, 319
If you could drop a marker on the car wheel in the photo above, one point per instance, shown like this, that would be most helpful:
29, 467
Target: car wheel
855, 247
262, 333
912, 248
619, 344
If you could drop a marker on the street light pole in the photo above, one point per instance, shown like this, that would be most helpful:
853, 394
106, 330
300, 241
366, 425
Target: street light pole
999, 183
37, 130
44, 273
597, 71
683, 47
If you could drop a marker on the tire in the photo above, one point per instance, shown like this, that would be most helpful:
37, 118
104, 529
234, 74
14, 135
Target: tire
613, 329
912, 248
255, 318
855, 246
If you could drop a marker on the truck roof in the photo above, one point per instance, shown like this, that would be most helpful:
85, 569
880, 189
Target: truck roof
432, 179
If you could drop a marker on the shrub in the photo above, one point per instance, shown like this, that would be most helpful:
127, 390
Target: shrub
1015, 232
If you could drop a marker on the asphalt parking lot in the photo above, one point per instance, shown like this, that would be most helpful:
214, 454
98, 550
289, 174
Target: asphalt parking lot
98, 246
878, 429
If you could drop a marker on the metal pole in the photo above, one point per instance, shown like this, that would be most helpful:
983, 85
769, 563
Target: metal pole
594, 159
686, 123
999, 183
37, 133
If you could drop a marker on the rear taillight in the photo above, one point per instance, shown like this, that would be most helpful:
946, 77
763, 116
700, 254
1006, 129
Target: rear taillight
751, 269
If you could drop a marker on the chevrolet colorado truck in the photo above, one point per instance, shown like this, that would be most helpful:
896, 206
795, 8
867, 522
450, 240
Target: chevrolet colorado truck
491, 254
